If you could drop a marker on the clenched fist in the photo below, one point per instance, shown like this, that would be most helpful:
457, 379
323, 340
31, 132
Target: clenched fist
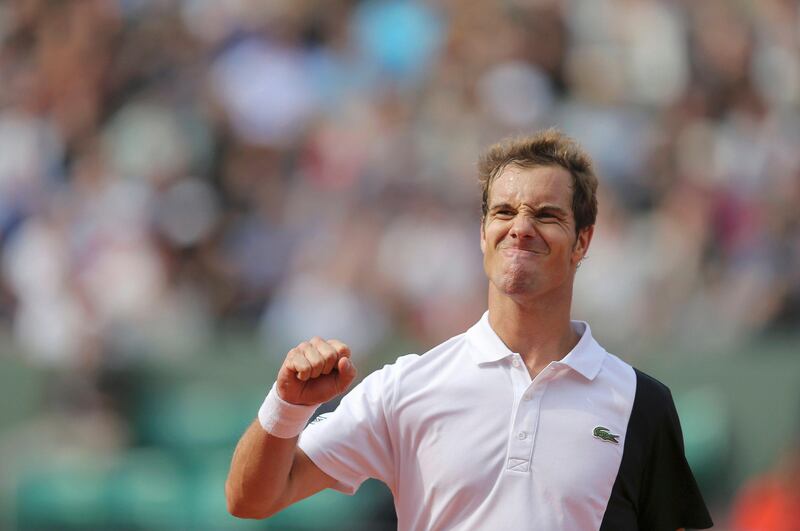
315, 371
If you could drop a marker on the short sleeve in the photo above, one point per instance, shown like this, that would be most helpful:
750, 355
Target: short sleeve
352, 443
655, 489
670, 497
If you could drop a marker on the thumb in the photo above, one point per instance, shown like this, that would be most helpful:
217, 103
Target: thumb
347, 373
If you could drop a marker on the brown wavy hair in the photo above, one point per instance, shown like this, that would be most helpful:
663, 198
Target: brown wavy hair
546, 148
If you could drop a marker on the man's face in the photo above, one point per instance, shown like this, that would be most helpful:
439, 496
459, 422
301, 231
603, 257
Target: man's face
528, 237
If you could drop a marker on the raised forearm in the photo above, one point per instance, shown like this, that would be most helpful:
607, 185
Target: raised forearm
268, 472
258, 480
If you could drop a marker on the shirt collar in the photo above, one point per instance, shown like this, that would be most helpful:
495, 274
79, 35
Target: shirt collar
586, 357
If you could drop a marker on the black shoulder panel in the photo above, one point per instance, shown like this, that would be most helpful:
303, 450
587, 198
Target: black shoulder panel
655, 489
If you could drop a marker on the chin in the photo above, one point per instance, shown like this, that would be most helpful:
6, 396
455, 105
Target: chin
515, 285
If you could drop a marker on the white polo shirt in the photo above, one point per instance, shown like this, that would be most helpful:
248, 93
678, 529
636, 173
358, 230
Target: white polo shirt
465, 439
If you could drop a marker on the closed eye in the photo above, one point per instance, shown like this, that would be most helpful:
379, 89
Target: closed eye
550, 215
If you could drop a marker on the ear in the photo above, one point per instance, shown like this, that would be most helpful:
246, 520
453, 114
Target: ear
581, 246
483, 235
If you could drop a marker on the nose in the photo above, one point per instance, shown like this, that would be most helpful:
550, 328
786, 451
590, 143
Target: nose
522, 227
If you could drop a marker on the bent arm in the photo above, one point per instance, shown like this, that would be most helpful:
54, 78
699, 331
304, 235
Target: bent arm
268, 474
268, 471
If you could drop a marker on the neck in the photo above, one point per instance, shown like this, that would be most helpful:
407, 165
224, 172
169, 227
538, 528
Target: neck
539, 330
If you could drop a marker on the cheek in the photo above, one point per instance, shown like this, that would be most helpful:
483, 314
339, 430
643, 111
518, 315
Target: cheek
559, 245
490, 236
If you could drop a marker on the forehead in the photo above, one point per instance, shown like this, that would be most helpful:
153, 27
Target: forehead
540, 184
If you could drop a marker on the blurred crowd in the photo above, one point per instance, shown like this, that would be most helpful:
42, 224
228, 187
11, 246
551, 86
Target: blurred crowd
170, 168
174, 170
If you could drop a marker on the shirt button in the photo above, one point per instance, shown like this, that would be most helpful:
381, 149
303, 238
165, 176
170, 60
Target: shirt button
526, 396
515, 362
522, 435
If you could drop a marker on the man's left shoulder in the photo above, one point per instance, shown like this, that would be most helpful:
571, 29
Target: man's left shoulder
653, 413
649, 391
652, 392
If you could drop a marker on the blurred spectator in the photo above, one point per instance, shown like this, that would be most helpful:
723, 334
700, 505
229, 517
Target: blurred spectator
171, 167
771, 501
171, 170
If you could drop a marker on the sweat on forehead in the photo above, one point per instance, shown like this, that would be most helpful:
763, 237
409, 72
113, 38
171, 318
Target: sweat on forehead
538, 184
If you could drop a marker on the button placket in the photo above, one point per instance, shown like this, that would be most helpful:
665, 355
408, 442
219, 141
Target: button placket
523, 432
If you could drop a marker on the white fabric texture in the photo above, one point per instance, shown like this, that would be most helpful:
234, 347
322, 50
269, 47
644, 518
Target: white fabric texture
466, 440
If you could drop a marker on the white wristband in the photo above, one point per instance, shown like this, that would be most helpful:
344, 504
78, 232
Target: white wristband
282, 419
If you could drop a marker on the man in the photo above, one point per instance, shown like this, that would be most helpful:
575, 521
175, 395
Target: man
523, 421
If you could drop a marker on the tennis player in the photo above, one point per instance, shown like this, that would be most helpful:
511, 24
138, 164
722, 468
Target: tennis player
523, 421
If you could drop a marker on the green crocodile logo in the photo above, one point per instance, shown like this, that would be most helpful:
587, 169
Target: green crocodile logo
602, 433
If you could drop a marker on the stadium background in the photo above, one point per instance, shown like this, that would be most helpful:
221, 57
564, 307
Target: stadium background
188, 188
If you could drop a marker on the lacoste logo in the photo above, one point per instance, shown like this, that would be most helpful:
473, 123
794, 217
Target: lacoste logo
603, 434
